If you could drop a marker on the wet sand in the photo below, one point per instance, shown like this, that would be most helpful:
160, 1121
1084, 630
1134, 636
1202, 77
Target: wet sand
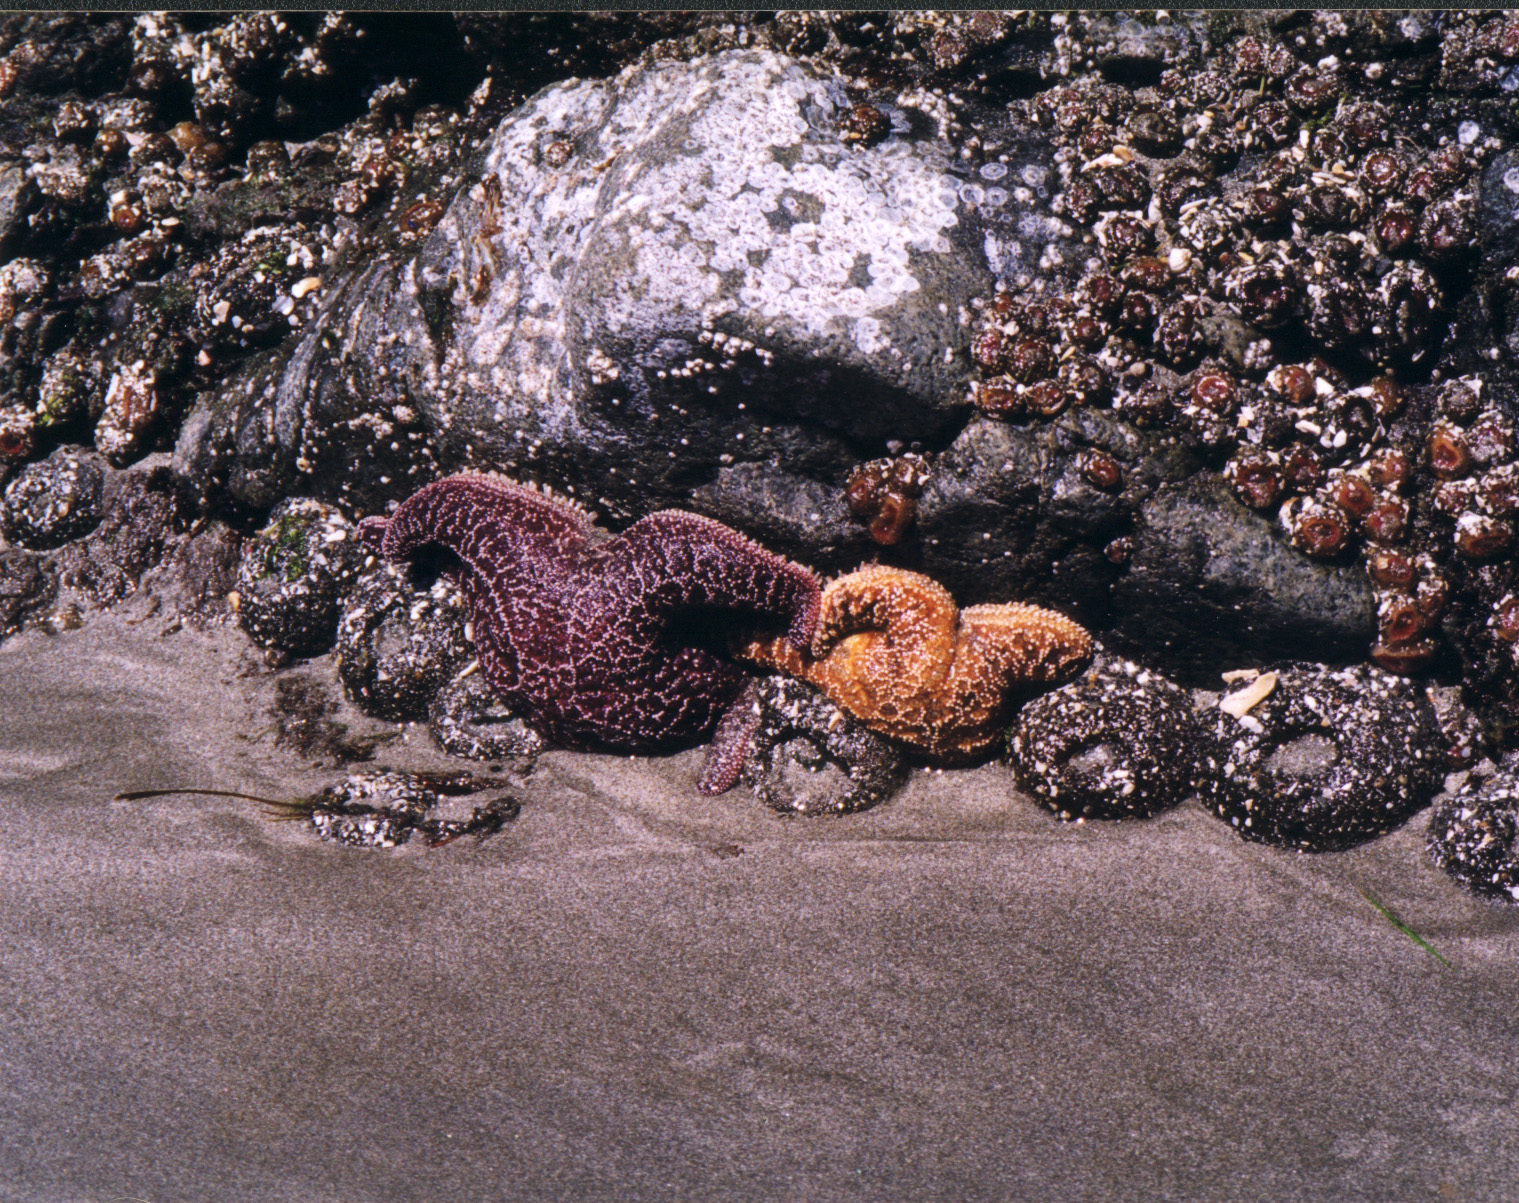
953, 996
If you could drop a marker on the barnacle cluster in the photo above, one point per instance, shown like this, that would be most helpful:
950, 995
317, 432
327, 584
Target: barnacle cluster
1321, 760
397, 645
53, 501
1474, 835
174, 212
294, 575
382, 809
1120, 741
1275, 265
809, 756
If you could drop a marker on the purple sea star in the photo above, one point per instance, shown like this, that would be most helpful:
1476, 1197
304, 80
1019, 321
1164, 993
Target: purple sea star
602, 641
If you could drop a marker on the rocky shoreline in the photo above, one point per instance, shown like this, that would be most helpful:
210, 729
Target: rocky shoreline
1198, 329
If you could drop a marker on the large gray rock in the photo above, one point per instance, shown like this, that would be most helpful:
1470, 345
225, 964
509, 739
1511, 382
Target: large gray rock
653, 278
683, 287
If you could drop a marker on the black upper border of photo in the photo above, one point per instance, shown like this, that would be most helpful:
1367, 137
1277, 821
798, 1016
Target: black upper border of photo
550, 6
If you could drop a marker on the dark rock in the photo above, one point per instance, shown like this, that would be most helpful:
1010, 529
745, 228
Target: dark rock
17, 192
1136, 52
53, 501
534, 49
1212, 586
1009, 515
56, 52
791, 515
26, 589
398, 644
294, 575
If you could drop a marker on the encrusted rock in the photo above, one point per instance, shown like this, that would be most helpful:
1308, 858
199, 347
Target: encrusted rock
53, 501
1121, 741
140, 520
809, 757
708, 276
1322, 760
293, 577
1474, 836
468, 720
398, 644
382, 809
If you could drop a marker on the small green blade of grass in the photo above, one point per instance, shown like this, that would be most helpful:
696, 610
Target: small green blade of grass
1404, 928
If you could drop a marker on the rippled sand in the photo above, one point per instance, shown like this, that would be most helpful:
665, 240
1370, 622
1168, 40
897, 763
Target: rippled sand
953, 996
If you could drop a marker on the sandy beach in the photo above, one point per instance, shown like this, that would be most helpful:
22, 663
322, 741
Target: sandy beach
634, 992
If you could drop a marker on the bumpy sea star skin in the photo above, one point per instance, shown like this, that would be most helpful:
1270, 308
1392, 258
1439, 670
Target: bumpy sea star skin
599, 640
894, 650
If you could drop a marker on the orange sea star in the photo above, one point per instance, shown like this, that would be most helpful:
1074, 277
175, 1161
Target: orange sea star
894, 650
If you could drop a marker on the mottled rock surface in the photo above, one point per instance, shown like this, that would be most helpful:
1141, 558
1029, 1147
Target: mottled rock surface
648, 282
1211, 586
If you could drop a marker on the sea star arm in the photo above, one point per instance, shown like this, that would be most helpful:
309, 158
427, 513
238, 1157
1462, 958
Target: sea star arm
481, 519
508, 539
1024, 645
731, 740
694, 562
915, 614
